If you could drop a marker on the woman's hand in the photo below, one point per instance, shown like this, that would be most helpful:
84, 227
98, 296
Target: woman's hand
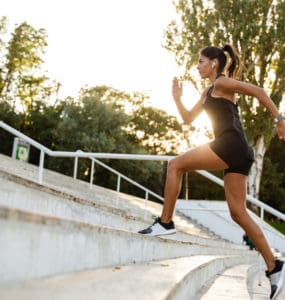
177, 89
280, 126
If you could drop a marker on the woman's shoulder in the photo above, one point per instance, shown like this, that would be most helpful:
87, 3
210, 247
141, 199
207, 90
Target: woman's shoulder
221, 80
236, 86
224, 87
226, 83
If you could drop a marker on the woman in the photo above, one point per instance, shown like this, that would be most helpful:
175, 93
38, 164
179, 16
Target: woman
229, 151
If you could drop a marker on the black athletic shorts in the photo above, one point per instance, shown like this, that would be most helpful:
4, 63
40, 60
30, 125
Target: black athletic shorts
234, 150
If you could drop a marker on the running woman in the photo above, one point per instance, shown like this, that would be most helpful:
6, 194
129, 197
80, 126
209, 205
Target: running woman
229, 151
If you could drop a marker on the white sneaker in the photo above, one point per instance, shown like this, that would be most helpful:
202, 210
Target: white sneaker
159, 228
276, 277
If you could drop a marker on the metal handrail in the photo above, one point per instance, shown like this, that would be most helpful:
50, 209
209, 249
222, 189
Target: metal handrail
94, 158
120, 175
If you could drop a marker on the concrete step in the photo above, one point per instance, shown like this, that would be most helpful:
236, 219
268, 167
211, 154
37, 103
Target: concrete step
24, 194
134, 206
34, 245
171, 279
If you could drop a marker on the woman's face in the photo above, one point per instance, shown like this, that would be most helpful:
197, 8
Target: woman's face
205, 66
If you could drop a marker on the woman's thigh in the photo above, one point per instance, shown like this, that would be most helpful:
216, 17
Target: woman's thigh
199, 158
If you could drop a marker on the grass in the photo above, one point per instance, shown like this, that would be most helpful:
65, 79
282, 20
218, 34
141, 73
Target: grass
280, 226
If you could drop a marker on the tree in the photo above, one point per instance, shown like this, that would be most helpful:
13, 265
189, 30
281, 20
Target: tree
9, 116
256, 29
153, 128
97, 122
25, 92
272, 189
22, 82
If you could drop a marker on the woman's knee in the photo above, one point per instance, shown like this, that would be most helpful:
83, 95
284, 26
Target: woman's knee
239, 216
174, 167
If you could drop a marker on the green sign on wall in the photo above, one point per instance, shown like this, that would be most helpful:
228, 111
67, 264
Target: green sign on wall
21, 150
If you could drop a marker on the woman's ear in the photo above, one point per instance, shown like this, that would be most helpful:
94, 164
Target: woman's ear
214, 63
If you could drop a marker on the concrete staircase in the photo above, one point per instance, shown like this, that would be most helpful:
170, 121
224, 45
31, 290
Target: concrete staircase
64, 240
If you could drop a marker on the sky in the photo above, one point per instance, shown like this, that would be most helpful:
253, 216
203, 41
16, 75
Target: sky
109, 42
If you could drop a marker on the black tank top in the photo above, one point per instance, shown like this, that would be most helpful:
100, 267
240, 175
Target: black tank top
224, 115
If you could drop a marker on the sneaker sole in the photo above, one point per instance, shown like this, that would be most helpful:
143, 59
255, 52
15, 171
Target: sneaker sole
280, 283
173, 231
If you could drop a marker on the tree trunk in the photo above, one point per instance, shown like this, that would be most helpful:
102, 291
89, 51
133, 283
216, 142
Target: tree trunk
256, 169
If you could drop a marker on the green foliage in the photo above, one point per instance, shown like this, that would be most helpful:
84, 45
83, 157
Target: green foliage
99, 121
88, 124
24, 91
42, 125
272, 189
155, 129
22, 82
9, 116
202, 188
280, 226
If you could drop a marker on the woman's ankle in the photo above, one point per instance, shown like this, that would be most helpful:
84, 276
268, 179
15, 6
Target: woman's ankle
271, 266
165, 220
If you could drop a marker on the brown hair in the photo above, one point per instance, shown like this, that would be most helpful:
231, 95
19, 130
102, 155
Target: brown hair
219, 53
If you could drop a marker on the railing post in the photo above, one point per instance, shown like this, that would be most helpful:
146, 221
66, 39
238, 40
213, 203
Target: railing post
16, 140
91, 173
75, 167
41, 166
259, 255
119, 183
145, 204
262, 215
186, 186
118, 190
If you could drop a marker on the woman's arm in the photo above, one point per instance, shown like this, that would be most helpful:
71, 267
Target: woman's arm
235, 86
188, 116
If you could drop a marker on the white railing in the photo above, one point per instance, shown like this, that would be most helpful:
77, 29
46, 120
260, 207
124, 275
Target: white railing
93, 156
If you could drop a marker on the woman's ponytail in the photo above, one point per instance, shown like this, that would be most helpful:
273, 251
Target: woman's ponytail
234, 67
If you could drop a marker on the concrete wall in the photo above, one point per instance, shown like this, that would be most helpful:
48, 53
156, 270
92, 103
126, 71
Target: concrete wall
215, 216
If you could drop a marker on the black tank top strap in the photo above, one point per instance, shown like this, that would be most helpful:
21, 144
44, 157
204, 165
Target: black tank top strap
210, 90
212, 86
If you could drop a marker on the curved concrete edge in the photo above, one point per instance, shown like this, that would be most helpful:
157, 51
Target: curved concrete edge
171, 279
257, 284
24, 194
190, 286
231, 283
35, 245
